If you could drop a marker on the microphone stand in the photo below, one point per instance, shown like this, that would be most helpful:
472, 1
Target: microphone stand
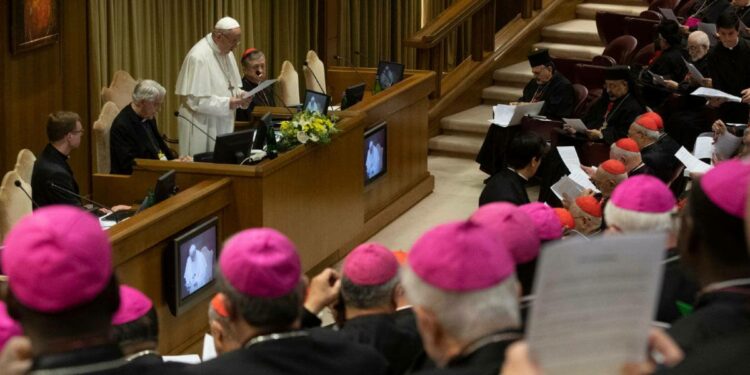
18, 185
322, 89
81, 197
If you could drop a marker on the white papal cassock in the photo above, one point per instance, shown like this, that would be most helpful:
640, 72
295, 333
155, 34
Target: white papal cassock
207, 80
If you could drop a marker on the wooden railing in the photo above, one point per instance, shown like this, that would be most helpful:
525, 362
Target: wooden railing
430, 40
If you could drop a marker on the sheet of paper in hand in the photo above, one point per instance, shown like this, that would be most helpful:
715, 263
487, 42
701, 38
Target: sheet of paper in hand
594, 303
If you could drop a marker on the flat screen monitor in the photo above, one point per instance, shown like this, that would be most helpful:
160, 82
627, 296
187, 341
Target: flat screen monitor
376, 152
194, 256
353, 95
165, 186
316, 102
390, 73
233, 148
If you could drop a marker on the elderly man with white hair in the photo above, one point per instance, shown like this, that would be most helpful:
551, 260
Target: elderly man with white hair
134, 133
645, 204
461, 282
211, 88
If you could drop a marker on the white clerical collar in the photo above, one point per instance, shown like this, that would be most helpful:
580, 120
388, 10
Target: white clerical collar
516, 172
212, 44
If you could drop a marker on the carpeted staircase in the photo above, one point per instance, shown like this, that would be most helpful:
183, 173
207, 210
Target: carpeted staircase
463, 132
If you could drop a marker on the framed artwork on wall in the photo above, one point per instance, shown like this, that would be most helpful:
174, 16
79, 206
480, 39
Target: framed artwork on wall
34, 23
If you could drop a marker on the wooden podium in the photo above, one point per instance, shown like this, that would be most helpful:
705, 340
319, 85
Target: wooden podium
315, 194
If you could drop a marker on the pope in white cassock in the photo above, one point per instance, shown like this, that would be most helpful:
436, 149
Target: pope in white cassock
210, 86
197, 271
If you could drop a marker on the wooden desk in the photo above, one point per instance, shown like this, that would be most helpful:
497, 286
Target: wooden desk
141, 243
315, 194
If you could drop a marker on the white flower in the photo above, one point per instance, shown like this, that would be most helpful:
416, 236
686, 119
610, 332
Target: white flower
314, 138
302, 137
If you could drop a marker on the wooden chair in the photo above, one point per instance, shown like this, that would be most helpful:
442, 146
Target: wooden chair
590, 76
642, 29
544, 128
621, 49
315, 73
656, 4
25, 165
582, 93
651, 15
644, 55
14, 204
101, 136
288, 84
593, 153
120, 91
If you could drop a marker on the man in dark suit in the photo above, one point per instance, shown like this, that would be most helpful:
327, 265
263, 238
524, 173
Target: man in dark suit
549, 86
134, 133
523, 158
260, 277
64, 132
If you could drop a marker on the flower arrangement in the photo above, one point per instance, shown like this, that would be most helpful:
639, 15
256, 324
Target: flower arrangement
305, 127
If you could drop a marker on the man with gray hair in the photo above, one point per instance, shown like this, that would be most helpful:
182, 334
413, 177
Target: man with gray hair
211, 87
134, 134
370, 288
460, 279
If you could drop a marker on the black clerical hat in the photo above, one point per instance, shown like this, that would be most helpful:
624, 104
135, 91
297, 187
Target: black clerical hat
540, 57
669, 30
617, 72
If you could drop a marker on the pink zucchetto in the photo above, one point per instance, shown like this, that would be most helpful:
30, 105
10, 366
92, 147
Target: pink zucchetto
370, 264
546, 221
726, 186
57, 258
261, 262
513, 227
643, 193
133, 305
462, 256
8, 327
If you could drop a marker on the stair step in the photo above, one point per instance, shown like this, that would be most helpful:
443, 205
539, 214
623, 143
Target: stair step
570, 51
465, 145
588, 10
519, 73
620, 2
502, 94
472, 120
578, 31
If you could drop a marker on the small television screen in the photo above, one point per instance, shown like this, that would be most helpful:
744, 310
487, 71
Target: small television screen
233, 148
316, 102
376, 152
353, 95
390, 73
195, 255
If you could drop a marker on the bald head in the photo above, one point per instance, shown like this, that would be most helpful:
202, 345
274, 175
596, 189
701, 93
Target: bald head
698, 45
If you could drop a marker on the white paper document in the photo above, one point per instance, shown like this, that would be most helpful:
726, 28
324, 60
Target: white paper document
694, 71
209, 349
581, 178
576, 124
261, 86
505, 115
569, 156
704, 148
191, 359
727, 144
594, 303
566, 186
692, 164
707, 92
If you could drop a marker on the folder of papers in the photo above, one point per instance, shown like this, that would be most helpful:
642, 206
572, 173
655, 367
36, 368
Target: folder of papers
505, 115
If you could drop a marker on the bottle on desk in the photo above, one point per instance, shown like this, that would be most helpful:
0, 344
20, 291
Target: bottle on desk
376, 88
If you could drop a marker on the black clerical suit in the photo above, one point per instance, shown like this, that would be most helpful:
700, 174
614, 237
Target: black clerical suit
692, 117
617, 114
677, 286
505, 186
716, 314
726, 356
264, 98
52, 167
105, 359
315, 352
558, 96
399, 346
708, 10
730, 72
671, 65
133, 137
659, 157
486, 360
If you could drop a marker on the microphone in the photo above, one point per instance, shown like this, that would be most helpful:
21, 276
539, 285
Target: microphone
18, 185
81, 197
192, 124
283, 103
339, 58
322, 89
